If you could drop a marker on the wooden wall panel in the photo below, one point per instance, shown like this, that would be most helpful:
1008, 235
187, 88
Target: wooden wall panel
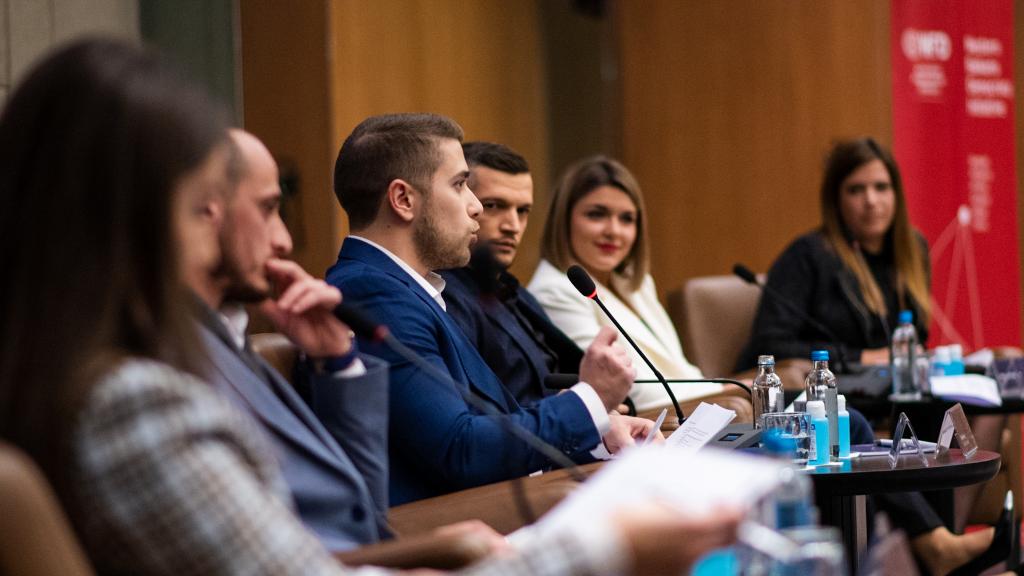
728, 109
286, 104
479, 62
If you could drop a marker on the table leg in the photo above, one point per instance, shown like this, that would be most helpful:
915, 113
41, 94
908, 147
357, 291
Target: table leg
849, 514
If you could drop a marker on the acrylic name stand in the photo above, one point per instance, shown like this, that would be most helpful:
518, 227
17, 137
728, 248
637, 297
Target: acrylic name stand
954, 424
897, 443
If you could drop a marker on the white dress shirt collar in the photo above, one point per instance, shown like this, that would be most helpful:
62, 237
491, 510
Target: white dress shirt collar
236, 319
433, 283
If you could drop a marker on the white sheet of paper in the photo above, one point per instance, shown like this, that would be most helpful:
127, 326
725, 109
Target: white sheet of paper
968, 388
706, 421
696, 483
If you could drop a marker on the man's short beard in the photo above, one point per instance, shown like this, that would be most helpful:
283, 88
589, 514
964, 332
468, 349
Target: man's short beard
244, 293
238, 288
431, 247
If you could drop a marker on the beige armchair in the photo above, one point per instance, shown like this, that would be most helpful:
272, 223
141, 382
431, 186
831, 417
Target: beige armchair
714, 316
35, 536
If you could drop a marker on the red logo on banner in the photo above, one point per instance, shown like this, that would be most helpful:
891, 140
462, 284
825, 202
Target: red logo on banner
953, 138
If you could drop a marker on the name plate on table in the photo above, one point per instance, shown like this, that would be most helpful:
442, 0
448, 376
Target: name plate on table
954, 424
898, 449
1009, 376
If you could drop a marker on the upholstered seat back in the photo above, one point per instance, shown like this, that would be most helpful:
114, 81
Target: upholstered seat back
278, 351
714, 316
35, 537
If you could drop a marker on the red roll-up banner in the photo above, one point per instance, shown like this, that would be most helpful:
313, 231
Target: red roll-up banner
953, 117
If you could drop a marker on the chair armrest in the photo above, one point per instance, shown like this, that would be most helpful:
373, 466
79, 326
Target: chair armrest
440, 552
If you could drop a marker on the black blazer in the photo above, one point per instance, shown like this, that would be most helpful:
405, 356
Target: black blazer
511, 351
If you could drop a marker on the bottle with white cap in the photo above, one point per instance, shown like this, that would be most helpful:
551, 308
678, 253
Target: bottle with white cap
844, 427
820, 446
940, 361
956, 360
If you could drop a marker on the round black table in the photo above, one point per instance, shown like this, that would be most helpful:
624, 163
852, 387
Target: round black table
840, 490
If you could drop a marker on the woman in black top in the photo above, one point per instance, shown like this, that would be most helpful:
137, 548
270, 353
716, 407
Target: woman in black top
854, 274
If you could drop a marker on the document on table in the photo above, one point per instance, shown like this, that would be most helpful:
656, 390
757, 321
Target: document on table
701, 427
972, 389
695, 483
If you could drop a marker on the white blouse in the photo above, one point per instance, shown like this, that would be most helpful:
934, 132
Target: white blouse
643, 318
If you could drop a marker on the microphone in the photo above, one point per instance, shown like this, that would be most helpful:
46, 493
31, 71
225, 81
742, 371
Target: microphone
748, 276
585, 284
366, 327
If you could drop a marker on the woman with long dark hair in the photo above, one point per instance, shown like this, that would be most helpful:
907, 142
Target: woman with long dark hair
855, 273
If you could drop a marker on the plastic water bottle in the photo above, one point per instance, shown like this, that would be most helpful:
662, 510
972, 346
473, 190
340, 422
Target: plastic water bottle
905, 383
956, 360
844, 427
821, 384
820, 441
790, 505
767, 389
793, 505
940, 361
924, 370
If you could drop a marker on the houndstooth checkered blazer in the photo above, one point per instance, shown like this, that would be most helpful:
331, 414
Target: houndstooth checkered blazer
170, 480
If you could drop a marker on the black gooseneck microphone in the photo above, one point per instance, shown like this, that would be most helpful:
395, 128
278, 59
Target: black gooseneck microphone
701, 381
748, 276
366, 328
585, 284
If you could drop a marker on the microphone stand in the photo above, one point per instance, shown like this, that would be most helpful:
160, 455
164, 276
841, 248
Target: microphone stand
657, 374
583, 283
380, 333
748, 276
701, 380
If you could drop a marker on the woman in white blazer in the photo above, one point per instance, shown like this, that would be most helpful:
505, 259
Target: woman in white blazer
597, 220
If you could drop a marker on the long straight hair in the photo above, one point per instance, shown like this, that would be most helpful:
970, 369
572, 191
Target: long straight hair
911, 271
92, 145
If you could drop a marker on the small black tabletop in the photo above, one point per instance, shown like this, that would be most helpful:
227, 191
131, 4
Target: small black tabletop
873, 475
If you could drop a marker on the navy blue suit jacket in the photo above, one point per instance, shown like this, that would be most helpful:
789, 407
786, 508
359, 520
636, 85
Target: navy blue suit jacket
335, 469
438, 443
511, 351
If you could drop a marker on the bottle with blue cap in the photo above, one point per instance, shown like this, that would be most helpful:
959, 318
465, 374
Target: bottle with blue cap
821, 384
903, 359
791, 504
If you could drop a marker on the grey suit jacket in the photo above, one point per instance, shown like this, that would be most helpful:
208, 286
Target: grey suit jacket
336, 468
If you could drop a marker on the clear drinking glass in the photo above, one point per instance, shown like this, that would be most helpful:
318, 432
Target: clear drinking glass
795, 425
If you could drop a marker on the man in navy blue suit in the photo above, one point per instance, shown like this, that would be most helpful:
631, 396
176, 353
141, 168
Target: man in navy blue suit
500, 317
402, 179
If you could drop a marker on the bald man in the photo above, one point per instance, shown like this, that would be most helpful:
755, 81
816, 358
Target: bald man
336, 470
